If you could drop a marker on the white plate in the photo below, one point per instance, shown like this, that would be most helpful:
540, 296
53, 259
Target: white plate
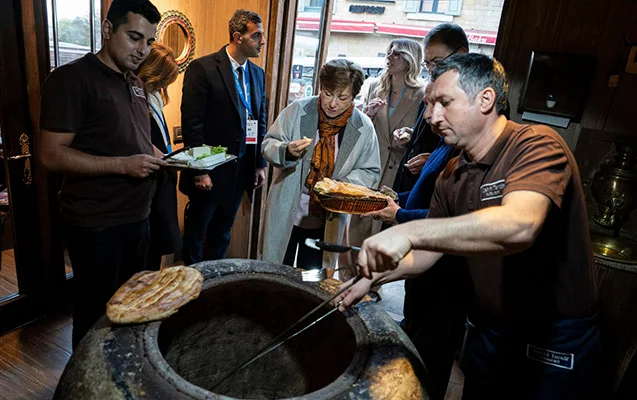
208, 166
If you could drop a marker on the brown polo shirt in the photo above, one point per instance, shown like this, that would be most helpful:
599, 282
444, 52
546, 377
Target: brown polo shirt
108, 113
553, 279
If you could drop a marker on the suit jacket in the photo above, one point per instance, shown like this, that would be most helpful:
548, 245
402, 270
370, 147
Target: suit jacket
210, 114
405, 113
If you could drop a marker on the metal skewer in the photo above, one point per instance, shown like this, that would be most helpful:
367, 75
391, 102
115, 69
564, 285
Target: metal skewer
282, 338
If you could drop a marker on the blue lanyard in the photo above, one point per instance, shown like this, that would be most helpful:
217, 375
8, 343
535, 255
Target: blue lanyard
163, 122
391, 110
243, 95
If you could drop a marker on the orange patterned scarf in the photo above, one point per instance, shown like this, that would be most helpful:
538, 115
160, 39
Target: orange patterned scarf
322, 165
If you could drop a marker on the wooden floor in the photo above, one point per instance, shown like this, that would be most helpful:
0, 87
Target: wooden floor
8, 278
32, 358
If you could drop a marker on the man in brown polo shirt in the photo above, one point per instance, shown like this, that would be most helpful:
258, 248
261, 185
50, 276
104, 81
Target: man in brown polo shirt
513, 205
96, 130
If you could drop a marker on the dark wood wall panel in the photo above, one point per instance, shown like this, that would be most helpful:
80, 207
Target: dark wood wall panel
592, 27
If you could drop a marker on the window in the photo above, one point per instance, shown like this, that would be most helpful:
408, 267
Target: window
434, 6
313, 5
74, 29
446, 7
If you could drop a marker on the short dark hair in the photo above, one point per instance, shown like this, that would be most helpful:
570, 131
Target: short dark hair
119, 9
451, 35
340, 73
477, 72
240, 19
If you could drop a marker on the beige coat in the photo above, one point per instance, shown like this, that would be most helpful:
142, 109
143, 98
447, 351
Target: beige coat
357, 162
391, 152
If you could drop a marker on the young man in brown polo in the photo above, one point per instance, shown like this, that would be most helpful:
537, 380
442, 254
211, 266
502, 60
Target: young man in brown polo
512, 204
96, 131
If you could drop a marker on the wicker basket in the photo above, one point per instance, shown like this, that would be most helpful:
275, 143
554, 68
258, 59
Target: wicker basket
351, 205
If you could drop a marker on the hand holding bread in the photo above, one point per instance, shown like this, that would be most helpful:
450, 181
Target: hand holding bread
296, 148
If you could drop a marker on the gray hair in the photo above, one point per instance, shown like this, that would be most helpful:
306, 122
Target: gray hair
451, 35
240, 19
477, 72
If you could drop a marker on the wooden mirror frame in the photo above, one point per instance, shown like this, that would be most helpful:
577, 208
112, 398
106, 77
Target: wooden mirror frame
186, 55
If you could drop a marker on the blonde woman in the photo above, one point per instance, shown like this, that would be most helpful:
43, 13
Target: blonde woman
158, 71
392, 103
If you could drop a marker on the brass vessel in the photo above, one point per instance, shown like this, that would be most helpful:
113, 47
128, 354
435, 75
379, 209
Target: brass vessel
614, 189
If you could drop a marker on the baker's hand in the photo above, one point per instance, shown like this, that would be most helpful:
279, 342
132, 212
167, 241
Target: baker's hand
203, 182
374, 106
259, 177
414, 165
296, 148
387, 214
383, 251
140, 165
353, 295
403, 135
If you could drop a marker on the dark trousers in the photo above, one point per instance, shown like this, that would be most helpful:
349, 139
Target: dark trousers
212, 222
307, 258
435, 311
102, 260
554, 362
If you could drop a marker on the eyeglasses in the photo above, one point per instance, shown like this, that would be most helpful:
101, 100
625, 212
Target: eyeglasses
431, 64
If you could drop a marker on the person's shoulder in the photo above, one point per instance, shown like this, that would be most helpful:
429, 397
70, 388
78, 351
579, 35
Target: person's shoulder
419, 90
448, 172
74, 68
212, 58
366, 122
537, 133
373, 83
307, 103
73, 74
255, 67
299, 106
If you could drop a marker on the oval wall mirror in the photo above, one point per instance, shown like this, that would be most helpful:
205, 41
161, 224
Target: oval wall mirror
175, 31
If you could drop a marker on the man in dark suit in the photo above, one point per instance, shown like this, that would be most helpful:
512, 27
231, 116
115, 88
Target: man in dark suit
223, 104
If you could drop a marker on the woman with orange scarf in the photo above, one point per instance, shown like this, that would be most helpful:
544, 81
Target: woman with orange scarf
318, 137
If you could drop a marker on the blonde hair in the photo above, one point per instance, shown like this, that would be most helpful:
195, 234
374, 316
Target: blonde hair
159, 70
411, 52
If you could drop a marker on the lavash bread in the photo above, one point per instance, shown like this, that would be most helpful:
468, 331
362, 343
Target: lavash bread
154, 295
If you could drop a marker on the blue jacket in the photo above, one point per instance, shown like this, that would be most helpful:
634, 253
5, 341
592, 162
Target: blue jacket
415, 203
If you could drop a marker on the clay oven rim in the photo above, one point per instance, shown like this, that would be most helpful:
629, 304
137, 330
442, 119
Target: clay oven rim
281, 276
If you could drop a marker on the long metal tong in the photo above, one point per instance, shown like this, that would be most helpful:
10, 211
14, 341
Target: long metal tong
289, 333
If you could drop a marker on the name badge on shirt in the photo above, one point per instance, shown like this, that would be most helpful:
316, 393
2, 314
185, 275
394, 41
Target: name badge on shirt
252, 128
493, 190
550, 357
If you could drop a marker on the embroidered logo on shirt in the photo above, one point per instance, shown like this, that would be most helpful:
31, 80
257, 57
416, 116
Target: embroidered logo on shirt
493, 190
139, 92
550, 357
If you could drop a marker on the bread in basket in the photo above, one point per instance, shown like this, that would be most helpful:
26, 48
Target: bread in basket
348, 198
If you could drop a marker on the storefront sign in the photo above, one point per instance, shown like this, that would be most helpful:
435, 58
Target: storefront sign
360, 9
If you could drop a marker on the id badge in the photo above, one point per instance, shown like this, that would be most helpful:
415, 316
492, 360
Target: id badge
252, 128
